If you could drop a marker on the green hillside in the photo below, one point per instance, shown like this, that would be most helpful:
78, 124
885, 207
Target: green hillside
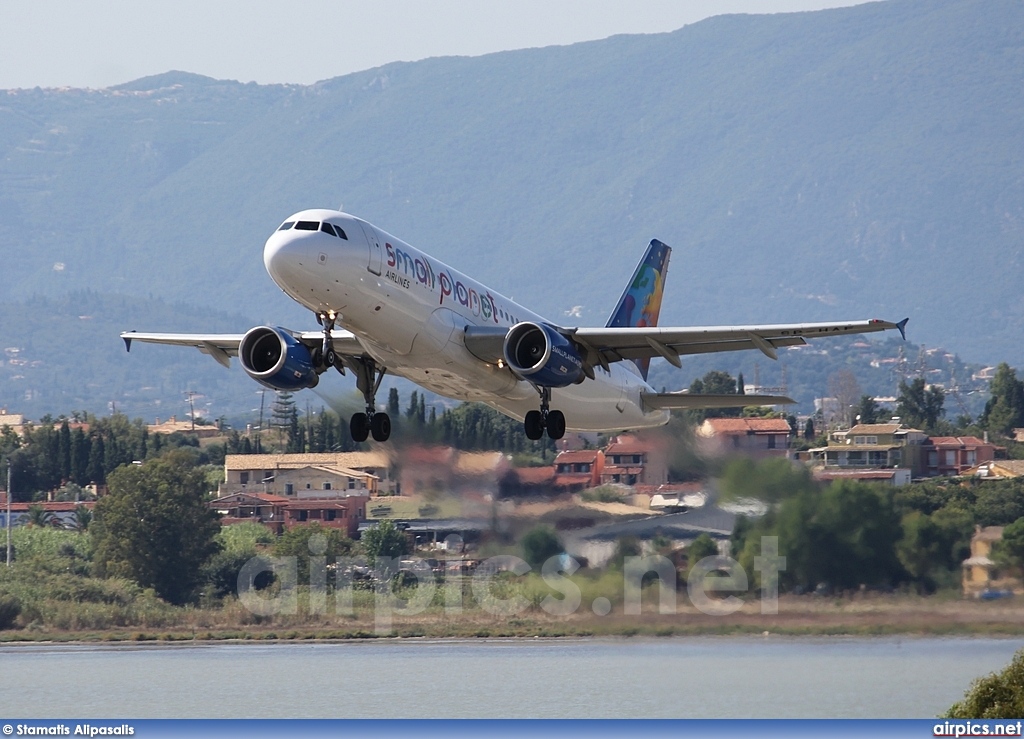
847, 163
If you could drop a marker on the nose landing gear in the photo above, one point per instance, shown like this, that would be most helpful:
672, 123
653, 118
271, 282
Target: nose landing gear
325, 357
537, 422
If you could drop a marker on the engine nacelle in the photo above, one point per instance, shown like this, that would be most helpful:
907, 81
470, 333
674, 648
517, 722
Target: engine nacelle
538, 353
276, 359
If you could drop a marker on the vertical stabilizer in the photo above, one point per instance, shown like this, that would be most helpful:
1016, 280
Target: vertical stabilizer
640, 303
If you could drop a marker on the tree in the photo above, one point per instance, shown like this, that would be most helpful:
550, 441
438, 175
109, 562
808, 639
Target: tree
1004, 410
715, 382
39, 517
300, 542
155, 528
844, 536
919, 548
809, 430
1000, 695
867, 410
385, 540
539, 545
1010, 549
918, 405
701, 547
82, 518
843, 386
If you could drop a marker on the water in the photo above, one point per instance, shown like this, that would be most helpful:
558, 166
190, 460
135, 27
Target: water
713, 677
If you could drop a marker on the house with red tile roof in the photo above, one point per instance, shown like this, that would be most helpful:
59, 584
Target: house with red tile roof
751, 437
632, 460
579, 469
953, 455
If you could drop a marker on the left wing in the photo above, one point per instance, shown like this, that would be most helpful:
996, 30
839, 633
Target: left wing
224, 346
605, 345
601, 346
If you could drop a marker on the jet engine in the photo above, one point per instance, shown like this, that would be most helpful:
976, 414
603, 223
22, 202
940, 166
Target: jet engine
276, 359
538, 353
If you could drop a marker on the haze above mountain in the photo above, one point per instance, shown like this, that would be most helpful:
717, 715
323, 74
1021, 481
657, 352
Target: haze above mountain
850, 163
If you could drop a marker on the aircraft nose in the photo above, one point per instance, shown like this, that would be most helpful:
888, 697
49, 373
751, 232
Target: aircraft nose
285, 255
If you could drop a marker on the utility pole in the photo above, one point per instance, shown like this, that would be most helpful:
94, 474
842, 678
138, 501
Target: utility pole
259, 429
8, 521
191, 408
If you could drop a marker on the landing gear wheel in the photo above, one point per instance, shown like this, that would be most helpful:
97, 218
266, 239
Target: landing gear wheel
330, 358
556, 424
380, 426
359, 426
317, 358
533, 424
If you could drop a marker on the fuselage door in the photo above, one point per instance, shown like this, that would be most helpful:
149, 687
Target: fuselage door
376, 256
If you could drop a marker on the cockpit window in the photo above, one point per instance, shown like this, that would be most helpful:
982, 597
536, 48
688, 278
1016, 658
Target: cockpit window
327, 228
286, 225
307, 226
340, 231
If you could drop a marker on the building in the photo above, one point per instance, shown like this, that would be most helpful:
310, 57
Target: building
335, 513
873, 446
352, 473
751, 437
998, 469
894, 477
630, 460
279, 513
981, 574
261, 508
953, 455
14, 421
174, 426
428, 470
578, 470
60, 514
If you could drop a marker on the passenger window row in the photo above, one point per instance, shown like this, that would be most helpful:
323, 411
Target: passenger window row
327, 228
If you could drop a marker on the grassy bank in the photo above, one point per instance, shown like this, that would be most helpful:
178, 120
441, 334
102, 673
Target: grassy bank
870, 615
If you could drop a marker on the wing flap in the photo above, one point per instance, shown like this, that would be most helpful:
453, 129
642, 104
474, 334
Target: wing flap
637, 343
687, 401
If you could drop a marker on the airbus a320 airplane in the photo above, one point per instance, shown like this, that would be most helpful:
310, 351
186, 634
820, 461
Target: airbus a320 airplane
403, 312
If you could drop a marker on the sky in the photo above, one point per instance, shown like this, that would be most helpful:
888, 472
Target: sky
100, 43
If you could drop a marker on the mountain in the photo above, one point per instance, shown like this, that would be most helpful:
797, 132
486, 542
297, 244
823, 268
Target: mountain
846, 163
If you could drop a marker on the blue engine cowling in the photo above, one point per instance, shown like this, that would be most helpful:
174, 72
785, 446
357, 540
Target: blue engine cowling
538, 353
276, 359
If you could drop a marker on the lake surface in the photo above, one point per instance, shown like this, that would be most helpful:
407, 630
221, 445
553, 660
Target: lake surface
700, 677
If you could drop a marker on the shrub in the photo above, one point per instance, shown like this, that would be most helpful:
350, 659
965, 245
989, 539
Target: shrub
1000, 695
10, 609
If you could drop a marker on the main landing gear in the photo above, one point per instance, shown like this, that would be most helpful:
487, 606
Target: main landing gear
371, 423
537, 422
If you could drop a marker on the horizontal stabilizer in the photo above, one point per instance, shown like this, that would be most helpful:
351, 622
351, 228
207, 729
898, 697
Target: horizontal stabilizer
690, 401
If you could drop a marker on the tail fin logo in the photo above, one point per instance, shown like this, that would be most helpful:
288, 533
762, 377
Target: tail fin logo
640, 304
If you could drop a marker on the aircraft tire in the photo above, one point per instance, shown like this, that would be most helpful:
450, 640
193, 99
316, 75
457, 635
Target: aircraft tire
556, 424
331, 359
359, 426
380, 426
533, 424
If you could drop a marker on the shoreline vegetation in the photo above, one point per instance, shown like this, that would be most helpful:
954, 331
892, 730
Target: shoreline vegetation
859, 615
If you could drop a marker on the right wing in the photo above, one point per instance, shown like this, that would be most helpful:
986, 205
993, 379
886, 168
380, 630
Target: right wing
224, 346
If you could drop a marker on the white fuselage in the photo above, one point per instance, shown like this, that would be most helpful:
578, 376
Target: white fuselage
409, 312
